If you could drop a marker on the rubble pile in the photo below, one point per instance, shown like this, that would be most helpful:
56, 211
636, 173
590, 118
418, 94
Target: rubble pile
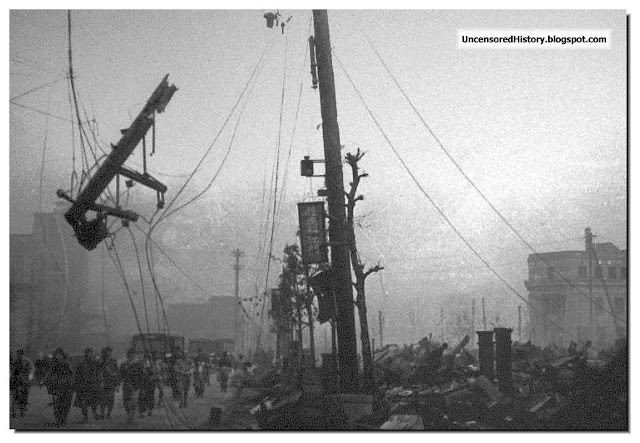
548, 389
428, 386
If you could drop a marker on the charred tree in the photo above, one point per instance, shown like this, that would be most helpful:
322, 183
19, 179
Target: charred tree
295, 288
359, 269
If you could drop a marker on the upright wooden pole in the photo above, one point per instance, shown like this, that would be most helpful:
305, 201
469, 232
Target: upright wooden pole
239, 335
347, 348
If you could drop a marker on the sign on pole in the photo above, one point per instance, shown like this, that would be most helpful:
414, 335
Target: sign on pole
313, 241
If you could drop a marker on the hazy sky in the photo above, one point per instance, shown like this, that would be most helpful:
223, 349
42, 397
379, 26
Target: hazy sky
541, 132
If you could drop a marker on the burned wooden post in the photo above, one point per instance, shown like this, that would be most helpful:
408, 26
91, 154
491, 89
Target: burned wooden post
486, 353
503, 358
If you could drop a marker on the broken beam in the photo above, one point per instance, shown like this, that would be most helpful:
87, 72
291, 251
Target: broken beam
143, 179
115, 212
108, 210
122, 150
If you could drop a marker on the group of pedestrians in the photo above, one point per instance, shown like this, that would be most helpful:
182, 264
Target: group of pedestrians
95, 381
234, 372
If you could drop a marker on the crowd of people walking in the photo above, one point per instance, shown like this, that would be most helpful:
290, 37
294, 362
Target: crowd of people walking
95, 381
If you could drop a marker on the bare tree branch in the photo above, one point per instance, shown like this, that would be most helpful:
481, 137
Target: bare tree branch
370, 271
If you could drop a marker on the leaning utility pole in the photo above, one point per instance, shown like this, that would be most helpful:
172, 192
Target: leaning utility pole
239, 331
347, 348
91, 232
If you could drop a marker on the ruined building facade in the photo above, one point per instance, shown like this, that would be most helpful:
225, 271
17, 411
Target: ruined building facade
569, 303
213, 319
47, 287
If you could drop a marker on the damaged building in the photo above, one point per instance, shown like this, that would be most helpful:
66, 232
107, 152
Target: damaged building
582, 293
48, 289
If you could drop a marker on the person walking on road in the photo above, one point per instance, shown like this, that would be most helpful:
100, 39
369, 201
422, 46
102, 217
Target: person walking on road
160, 370
224, 367
109, 376
59, 384
21, 376
132, 375
87, 385
199, 379
146, 399
183, 375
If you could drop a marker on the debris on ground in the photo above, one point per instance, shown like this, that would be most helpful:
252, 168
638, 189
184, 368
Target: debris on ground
428, 386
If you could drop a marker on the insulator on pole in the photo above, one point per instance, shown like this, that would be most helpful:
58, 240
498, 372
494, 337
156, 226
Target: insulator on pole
314, 65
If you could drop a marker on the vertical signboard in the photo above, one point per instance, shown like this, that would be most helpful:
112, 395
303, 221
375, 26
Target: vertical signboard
312, 232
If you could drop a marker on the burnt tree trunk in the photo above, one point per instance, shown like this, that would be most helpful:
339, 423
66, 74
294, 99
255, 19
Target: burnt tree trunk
360, 274
310, 318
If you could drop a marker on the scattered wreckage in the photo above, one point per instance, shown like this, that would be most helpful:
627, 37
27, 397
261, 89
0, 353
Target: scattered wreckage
428, 386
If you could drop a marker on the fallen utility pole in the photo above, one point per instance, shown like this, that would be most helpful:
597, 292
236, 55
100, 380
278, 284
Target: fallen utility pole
347, 347
90, 233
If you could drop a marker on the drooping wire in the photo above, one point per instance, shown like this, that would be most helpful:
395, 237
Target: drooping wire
104, 311
73, 92
149, 256
251, 82
262, 240
182, 271
242, 94
74, 174
73, 97
224, 159
248, 86
275, 192
144, 298
156, 298
284, 180
37, 88
471, 182
295, 122
437, 208
259, 264
118, 264
65, 302
42, 162
48, 114
169, 408
20, 59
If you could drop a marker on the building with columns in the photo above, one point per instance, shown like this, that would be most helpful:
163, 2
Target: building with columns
578, 295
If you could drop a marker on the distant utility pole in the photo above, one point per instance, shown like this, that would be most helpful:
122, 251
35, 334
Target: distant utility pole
380, 328
484, 316
473, 317
520, 324
239, 331
588, 239
340, 264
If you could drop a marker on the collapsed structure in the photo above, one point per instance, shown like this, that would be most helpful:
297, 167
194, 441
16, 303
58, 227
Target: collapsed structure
427, 386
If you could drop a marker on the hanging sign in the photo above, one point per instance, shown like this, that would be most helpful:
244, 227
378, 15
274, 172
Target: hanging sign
312, 232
